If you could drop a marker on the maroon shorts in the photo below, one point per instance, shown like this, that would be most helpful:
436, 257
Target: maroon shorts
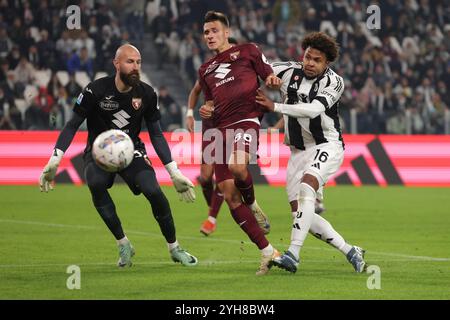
240, 136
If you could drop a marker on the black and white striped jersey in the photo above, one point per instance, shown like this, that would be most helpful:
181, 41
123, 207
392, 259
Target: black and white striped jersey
303, 129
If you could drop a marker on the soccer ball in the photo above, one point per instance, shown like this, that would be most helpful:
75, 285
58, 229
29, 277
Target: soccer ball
113, 150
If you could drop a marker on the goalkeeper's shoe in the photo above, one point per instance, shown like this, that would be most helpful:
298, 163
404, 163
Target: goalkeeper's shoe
266, 262
126, 251
207, 227
356, 257
182, 256
287, 262
261, 218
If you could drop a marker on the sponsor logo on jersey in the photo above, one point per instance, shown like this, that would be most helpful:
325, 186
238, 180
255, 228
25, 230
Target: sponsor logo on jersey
109, 105
234, 55
136, 103
121, 119
223, 70
218, 84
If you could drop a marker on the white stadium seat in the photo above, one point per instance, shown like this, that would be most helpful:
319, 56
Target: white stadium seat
22, 105
63, 77
100, 74
43, 77
30, 93
82, 78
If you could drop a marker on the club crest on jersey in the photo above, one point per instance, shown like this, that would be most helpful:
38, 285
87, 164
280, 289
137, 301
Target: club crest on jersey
234, 55
136, 103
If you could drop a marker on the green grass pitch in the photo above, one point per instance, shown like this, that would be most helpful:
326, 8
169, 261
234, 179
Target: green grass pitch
404, 230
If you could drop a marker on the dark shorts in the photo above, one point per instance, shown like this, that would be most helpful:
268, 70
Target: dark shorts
140, 163
240, 136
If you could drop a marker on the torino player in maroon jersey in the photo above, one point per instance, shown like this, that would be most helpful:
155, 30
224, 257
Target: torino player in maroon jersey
229, 82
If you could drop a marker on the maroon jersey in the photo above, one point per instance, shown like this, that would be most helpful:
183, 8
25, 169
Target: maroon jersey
230, 79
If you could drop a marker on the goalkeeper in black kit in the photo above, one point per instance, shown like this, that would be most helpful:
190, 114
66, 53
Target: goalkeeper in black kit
123, 102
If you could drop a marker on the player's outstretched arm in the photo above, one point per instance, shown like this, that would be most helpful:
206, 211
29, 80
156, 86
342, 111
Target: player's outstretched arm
183, 185
299, 110
64, 140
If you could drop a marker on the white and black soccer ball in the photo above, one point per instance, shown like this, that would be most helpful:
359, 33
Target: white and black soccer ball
113, 150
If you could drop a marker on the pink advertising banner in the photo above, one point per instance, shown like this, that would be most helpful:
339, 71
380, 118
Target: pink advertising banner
415, 160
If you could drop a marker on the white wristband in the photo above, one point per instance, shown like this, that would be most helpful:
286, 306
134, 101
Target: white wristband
172, 168
56, 157
190, 113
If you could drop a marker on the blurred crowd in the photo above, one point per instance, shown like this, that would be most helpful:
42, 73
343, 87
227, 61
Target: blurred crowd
395, 76
44, 63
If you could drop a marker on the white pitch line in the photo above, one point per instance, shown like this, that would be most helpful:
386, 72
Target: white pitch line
142, 233
203, 263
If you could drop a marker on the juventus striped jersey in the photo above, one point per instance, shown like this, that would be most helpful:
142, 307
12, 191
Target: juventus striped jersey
310, 106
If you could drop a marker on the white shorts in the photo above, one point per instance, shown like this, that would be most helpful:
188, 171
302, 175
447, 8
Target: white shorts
321, 161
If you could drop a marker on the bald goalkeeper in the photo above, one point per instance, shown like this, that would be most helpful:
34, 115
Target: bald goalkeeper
122, 102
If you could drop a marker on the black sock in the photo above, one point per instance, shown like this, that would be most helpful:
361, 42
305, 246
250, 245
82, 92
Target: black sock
109, 216
163, 215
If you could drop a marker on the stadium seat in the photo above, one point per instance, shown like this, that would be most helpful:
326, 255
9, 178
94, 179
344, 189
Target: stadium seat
22, 105
43, 77
82, 78
35, 34
145, 79
63, 77
100, 74
30, 93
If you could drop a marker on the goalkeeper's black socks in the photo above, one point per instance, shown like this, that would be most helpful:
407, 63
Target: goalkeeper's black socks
163, 214
109, 216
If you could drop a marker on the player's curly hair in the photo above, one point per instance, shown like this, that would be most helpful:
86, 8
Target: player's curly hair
322, 42
211, 16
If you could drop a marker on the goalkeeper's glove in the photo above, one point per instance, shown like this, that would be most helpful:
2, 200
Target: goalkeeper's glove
49, 172
183, 185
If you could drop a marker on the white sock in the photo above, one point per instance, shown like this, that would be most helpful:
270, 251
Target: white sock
212, 219
267, 251
323, 230
303, 219
253, 206
172, 245
123, 240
